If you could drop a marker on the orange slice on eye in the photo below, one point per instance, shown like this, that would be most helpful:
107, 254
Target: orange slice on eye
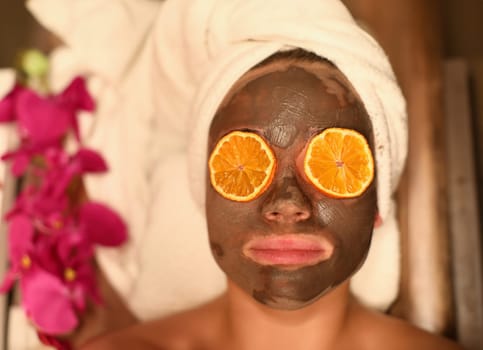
241, 166
339, 163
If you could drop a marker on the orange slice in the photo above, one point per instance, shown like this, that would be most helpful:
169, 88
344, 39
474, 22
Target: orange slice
339, 163
241, 166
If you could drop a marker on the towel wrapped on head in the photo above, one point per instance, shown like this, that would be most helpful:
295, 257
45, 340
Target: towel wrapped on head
184, 62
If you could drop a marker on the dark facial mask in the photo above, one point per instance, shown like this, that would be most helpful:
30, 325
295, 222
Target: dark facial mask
324, 240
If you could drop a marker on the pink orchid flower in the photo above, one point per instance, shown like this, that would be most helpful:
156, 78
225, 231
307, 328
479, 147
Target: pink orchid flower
57, 270
68, 255
48, 196
20, 248
53, 342
43, 121
22, 157
62, 168
47, 302
69, 260
102, 225
76, 98
97, 225
51, 238
60, 263
7, 104
43, 210
39, 288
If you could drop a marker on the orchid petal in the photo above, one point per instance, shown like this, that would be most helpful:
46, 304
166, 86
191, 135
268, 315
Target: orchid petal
7, 105
41, 119
20, 163
6, 110
73, 249
20, 235
85, 286
53, 342
90, 161
47, 303
61, 181
45, 254
76, 96
102, 224
45, 204
79, 298
82, 258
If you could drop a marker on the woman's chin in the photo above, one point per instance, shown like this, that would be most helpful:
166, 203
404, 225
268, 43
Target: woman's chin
288, 302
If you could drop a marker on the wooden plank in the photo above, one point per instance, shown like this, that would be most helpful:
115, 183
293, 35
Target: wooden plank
475, 68
463, 207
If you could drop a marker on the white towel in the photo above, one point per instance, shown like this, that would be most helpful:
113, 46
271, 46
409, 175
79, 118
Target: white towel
159, 72
167, 265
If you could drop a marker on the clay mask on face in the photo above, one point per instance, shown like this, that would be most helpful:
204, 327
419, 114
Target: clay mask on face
292, 244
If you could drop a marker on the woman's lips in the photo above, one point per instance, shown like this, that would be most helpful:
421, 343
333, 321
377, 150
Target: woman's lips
290, 250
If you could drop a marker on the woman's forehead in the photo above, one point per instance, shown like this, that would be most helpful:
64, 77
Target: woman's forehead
322, 69
308, 94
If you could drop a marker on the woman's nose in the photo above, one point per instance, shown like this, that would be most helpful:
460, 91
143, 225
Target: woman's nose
286, 203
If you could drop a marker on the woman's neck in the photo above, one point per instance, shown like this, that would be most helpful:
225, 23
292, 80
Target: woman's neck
254, 326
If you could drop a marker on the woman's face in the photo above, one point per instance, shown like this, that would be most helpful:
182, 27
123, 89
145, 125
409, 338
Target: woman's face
292, 244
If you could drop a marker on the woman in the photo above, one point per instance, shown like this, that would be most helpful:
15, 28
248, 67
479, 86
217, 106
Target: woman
202, 50
286, 298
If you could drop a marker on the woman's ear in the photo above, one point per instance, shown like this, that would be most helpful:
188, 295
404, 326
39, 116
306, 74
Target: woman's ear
377, 220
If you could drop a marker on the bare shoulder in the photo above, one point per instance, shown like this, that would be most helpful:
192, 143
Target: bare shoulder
182, 331
119, 341
398, 335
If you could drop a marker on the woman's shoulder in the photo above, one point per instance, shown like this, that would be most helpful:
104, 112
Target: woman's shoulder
120, 341
398, 334
181, 331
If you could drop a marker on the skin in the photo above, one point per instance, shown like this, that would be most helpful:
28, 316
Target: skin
237, 320
288, 107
